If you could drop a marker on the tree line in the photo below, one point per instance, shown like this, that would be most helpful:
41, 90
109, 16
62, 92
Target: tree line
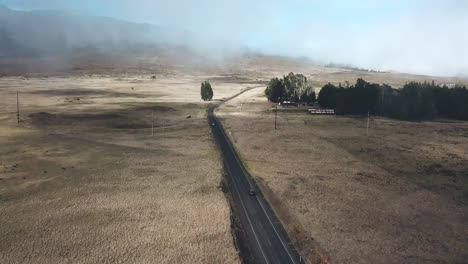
415, 101
292, 87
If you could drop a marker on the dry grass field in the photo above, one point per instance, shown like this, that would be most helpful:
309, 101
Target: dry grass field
83, 181
397, 196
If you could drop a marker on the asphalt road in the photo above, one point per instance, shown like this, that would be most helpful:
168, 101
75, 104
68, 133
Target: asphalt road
266, 238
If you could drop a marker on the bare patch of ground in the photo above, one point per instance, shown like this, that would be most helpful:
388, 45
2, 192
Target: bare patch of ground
398, 196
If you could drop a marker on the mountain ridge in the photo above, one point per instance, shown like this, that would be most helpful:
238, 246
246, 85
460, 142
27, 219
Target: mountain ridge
42, 33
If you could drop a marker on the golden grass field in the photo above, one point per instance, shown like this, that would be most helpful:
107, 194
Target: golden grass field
397, 196
83, 181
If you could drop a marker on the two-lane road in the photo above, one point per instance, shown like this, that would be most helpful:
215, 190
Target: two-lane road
267, 240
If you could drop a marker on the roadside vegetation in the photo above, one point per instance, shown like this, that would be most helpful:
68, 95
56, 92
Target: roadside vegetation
292, 87
415, 101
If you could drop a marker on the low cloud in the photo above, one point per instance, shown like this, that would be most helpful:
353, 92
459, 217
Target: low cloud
423, 37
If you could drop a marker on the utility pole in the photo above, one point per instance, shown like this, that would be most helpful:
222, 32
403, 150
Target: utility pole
276, 113
383, 100
17, 107
152, 123
367, 129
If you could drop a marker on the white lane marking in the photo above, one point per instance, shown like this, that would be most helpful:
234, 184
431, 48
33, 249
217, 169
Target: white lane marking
248, 219
281, 240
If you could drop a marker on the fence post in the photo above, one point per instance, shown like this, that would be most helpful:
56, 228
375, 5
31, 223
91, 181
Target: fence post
152, 123
17, 107
367, 129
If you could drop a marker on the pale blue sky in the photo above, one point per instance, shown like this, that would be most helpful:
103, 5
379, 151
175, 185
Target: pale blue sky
420, 36
340, 11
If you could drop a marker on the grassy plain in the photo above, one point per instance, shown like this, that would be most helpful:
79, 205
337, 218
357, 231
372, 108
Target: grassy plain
82, 180
396, 196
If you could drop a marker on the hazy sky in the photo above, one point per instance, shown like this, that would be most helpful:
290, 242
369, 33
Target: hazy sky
417, 36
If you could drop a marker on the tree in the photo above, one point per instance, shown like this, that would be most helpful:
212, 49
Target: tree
418, 101
328, 96
292, 87
275, 91
312, 98
297, 87
308, 97
206, 91
414, 101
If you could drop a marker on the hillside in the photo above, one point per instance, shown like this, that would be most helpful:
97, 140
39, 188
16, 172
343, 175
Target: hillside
42, 33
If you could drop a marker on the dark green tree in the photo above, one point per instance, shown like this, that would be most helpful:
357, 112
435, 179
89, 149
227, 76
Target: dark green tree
206, 91
308, 97
275, 91
328, 96
414, 101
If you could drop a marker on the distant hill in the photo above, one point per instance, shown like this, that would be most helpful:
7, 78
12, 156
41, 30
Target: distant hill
43, 33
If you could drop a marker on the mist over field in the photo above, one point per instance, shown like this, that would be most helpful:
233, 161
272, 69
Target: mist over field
421, 37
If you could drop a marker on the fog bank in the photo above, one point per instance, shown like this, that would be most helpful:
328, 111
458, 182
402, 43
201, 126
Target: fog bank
422, 37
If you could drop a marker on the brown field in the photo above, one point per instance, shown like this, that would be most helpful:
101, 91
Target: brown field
397, 196
83, 181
